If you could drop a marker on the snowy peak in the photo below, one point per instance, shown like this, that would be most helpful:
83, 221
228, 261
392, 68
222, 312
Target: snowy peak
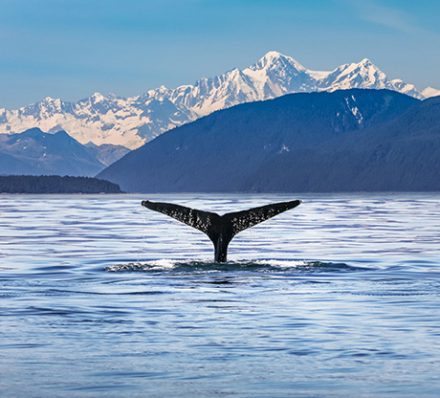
363, 74
276, 74
366, 63
50, 105
108, 119
97, 97
429, 92
274, 60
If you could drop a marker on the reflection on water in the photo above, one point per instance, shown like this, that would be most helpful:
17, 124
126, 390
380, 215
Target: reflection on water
339, 297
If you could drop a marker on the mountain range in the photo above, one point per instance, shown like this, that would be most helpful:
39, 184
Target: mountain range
132, 121
345, 140
34, 152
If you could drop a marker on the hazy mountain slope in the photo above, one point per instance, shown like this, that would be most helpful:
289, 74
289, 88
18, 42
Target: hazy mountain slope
133, 121
263, 146
107, 153
34, 152
10, 165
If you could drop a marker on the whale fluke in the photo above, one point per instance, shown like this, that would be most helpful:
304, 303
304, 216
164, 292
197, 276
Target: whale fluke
221, 229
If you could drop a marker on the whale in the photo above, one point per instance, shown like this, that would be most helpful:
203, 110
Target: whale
221, 228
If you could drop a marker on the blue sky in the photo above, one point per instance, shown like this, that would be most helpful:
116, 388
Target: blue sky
70, 49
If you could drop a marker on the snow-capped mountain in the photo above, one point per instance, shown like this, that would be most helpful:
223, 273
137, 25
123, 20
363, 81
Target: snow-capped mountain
430, 92
134, 120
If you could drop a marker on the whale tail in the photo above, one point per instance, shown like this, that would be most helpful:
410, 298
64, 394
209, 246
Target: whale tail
221, 229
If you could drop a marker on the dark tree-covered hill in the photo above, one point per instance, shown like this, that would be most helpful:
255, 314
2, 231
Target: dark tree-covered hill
347, 140
55, 184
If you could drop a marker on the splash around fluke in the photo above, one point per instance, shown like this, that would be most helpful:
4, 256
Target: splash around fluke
221, 229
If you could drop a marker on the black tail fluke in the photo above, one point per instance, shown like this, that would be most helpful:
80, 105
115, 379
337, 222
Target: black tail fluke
221, 229
242, 220
197, 219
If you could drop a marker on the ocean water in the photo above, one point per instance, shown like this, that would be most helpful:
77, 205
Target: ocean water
339, 297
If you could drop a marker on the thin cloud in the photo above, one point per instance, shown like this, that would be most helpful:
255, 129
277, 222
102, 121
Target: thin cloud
386, 16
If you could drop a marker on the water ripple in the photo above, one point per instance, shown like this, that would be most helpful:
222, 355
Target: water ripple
337, 298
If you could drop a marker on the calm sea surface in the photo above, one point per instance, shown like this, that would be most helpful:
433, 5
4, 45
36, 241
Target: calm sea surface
339, 297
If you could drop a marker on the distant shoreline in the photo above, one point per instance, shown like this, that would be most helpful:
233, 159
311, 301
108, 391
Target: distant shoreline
25, 184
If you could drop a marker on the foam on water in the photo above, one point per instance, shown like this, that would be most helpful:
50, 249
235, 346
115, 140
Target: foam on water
232, 266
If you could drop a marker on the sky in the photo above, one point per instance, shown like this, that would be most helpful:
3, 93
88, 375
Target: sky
71, 48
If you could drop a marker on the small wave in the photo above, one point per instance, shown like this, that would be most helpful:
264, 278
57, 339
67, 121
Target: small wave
159, 265
257, 265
